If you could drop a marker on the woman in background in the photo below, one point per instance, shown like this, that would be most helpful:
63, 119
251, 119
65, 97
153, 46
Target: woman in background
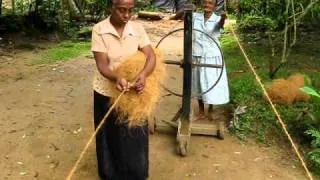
206, 52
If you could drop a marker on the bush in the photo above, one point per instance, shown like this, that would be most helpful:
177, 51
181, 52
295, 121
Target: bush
97, 9
253, 23
314, 155
10, 23
277, 11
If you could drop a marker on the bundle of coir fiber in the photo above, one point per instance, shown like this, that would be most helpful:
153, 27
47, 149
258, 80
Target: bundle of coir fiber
300, 80
133, 107
286, 91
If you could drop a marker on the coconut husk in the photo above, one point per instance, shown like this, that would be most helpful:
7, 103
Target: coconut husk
302, 96
135, 108
281, 91
286, 91
297, 80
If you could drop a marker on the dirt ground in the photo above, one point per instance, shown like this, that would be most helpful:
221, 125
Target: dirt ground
46, 120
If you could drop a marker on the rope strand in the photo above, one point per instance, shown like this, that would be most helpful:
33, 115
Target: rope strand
74, 168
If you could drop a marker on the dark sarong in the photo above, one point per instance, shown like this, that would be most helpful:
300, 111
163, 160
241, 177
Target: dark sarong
122, 152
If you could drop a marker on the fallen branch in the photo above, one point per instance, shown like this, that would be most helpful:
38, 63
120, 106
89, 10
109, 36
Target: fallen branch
149, 15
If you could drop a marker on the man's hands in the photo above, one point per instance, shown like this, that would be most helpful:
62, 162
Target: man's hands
123, 85
139, 84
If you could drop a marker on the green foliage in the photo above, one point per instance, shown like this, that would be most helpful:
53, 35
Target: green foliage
279, 23
298, 122
48, 13
21, 6
314, 14
254, 23
315, 134
145, 5
149, 8
314, 155
259, 122
97, 8
70, 29
31, 15
62, 52
11, 23
310, 91
246, 92
275, 10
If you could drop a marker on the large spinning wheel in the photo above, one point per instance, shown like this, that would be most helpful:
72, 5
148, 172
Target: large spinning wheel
182, 119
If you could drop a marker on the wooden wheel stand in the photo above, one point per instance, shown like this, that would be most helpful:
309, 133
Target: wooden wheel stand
181, 122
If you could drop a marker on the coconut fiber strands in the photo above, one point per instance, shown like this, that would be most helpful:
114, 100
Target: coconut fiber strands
133, 107
286, 91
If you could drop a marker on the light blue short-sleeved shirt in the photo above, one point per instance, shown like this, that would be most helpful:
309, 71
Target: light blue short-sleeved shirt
203, 46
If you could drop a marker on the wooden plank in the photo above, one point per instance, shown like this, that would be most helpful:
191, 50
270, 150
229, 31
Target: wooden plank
200, 129
163, 127
204, 129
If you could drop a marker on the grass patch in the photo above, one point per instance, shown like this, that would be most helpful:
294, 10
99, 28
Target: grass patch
245, 91
259, 121
62, 52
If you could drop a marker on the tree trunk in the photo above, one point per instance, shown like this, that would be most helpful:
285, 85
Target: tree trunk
264, 7
67, 8
0, 7
66, 14
72, 9
63, 14
81, 5
13, 4
36, 7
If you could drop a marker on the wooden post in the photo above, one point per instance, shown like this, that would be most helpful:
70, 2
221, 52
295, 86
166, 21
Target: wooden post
187, 65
